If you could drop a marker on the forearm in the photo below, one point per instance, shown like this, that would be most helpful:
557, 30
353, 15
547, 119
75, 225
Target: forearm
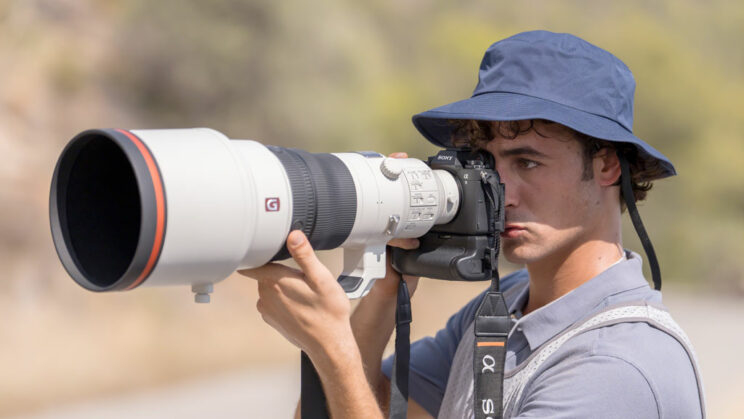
373, 322
346, 388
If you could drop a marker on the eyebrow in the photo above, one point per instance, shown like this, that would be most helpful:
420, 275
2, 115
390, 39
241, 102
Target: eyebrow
522, 151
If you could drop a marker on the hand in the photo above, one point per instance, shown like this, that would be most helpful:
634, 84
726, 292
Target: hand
311, 310
307, 307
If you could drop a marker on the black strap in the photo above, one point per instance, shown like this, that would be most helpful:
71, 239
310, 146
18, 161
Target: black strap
492, 322
399, 376
627, 190
492, 325
493, 191
312, 398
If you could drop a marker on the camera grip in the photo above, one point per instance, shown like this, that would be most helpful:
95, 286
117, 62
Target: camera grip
445, 256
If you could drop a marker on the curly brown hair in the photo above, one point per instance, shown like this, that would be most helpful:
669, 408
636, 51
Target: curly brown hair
476, 134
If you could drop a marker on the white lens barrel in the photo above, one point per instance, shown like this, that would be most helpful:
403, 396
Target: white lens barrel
190, 206
397, 198
404, 204
216, 223
269, 202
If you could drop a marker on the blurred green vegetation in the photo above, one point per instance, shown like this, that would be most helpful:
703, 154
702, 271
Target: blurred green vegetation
332, 75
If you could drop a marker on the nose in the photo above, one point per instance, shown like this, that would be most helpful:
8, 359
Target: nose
510, 188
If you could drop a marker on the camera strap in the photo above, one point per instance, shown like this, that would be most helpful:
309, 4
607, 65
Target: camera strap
492, 323
627, 190
312, 398
399, 376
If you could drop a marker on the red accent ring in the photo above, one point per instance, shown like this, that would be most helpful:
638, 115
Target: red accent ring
159, 205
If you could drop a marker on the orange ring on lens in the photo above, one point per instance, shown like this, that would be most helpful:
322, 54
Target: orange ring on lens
159, 207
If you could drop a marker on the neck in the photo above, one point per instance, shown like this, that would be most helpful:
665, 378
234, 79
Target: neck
560, 274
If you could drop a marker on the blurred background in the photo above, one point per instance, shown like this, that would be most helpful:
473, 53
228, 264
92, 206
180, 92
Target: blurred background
325, 76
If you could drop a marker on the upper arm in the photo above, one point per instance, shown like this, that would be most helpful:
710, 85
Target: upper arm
592, 386
415, 410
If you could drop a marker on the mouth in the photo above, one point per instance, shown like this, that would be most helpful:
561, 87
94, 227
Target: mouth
512, 231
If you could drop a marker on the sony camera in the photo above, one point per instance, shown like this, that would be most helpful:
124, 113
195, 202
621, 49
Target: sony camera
190, 206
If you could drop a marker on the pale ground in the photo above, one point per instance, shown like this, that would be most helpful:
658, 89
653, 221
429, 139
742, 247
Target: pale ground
270, 391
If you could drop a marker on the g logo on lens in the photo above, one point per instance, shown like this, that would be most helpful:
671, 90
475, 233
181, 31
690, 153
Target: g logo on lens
272, 204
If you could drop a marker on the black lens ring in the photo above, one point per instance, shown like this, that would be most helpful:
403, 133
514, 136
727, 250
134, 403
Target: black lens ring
324, 201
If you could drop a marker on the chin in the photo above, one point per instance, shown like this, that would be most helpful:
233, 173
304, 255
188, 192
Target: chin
515, 257
521, 254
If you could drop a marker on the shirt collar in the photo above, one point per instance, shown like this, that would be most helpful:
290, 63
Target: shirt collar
542, 324
516, 296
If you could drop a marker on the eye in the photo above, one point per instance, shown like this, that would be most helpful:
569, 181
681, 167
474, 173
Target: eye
528, 164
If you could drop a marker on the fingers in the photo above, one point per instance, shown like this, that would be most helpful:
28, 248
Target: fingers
269, 272
302, 252
276, 277
410, 278
274, 274
406, 244
390, 272
399, 155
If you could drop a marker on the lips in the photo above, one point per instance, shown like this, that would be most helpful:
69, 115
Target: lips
512, 231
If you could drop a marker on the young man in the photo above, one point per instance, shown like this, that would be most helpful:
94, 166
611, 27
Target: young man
556, 114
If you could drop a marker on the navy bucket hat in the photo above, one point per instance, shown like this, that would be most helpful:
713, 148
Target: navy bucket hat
553, 76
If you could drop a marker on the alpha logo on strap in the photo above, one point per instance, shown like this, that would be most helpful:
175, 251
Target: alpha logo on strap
491, 328
488, 364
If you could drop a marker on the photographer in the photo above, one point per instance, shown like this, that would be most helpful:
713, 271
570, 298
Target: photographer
556, 113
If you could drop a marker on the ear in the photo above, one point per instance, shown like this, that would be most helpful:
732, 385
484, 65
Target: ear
606, 167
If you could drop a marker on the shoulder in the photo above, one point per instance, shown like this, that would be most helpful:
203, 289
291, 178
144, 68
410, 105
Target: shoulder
581, 386
631, 364
664, 362
513, 279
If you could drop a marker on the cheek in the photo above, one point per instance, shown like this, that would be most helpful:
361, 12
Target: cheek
557, 210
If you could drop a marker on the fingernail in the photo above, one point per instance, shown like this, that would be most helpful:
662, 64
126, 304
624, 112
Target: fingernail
296, 240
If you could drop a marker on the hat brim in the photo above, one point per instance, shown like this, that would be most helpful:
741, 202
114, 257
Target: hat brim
502, 106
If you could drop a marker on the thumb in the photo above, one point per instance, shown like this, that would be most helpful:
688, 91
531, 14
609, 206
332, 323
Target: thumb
302, 253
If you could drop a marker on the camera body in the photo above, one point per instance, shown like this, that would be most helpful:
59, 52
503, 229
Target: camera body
466, 248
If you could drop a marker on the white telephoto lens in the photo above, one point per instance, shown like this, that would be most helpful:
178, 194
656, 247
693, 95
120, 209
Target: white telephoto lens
190, 206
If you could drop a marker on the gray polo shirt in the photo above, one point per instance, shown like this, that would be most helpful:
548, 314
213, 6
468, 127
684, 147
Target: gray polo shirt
622, 370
